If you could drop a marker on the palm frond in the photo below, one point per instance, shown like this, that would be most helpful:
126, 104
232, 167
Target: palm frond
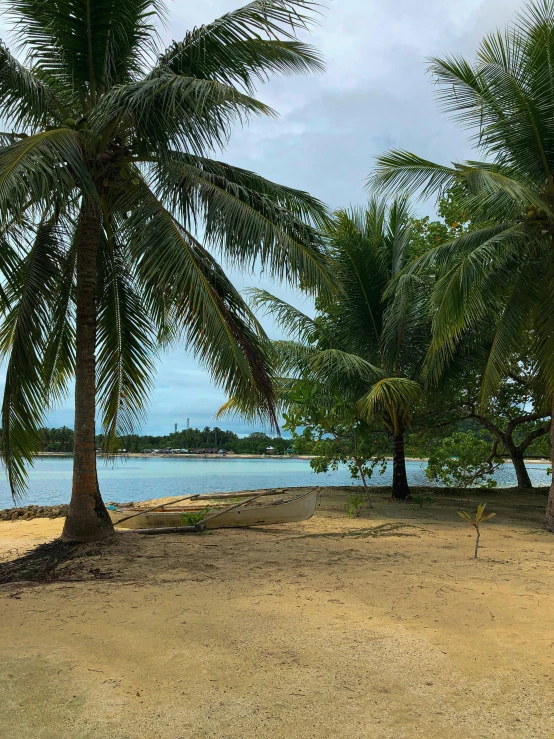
251, 220
22, 339
216, 323
87, 45
334, 365
59, 344
28, 103
247, 44
400, 171
393, 396
514, 321
292, 357
242, 62
458, 296
168, 110
506, 96
127, 347
367, 248
296, 324
43, 169
543, 325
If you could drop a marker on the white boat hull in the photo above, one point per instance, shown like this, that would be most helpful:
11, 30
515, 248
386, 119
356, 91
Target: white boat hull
298, 509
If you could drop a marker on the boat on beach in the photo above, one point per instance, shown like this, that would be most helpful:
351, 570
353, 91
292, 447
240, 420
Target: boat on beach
219, 512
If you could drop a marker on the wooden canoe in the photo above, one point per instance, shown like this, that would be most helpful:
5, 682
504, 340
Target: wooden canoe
257, 514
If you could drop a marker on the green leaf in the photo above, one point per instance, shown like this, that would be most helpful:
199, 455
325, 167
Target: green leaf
247, 44
88, 45
23, 338
43, 169
168, 110
214, 321
127, 347
480, 509
395, 396
487, 516
250, 219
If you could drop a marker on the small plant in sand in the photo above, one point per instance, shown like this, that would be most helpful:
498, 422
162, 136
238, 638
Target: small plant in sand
194, 517
479, 518
355, 505
419, 499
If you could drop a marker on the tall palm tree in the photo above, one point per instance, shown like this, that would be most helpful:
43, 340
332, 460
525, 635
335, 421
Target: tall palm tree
105, 181
365, 343
502, 273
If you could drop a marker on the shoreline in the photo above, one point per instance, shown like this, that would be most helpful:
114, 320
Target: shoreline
230, 455
59, 510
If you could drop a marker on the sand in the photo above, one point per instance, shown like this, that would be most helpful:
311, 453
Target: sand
381, 626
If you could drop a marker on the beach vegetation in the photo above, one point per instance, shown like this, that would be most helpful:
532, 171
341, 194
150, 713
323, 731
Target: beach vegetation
479, 517
194, 517
355, 504
463, 460
419, 499
326, 426
363, 351
499, 277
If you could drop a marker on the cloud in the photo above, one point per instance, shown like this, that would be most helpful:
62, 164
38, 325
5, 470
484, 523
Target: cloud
374, 95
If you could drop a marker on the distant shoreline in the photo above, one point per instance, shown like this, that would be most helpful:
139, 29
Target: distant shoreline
230, 455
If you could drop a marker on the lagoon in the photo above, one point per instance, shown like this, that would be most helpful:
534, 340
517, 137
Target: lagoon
150, 477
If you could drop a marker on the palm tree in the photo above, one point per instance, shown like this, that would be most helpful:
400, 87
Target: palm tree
504, 272
105, 181
365, 343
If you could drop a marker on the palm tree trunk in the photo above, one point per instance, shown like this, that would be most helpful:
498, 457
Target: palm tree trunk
87, 518
400, 489
549, 519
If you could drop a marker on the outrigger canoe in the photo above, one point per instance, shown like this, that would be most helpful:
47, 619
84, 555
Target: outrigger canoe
218, 513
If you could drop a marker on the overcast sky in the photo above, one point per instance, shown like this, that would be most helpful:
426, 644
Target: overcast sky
374, 95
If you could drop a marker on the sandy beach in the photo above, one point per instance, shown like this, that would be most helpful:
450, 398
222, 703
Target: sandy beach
381, 627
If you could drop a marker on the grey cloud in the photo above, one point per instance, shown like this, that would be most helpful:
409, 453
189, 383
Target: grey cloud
374, 95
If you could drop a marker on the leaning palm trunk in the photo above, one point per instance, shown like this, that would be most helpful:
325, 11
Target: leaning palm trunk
400, 488
87, 519
549, 518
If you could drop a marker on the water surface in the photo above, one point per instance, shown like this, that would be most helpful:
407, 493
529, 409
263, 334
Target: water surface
144, 478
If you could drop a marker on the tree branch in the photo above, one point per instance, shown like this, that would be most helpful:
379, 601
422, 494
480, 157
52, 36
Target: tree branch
526, 418
536, 434
488, 424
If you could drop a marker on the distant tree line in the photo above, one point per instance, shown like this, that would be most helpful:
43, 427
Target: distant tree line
61, 440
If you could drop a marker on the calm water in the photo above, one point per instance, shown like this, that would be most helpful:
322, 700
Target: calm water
141, 479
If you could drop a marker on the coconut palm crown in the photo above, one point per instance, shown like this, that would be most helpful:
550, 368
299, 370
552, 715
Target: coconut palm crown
111, 208
501, 274
365, 343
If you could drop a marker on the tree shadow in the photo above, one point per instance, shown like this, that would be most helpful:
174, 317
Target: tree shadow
45, 563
